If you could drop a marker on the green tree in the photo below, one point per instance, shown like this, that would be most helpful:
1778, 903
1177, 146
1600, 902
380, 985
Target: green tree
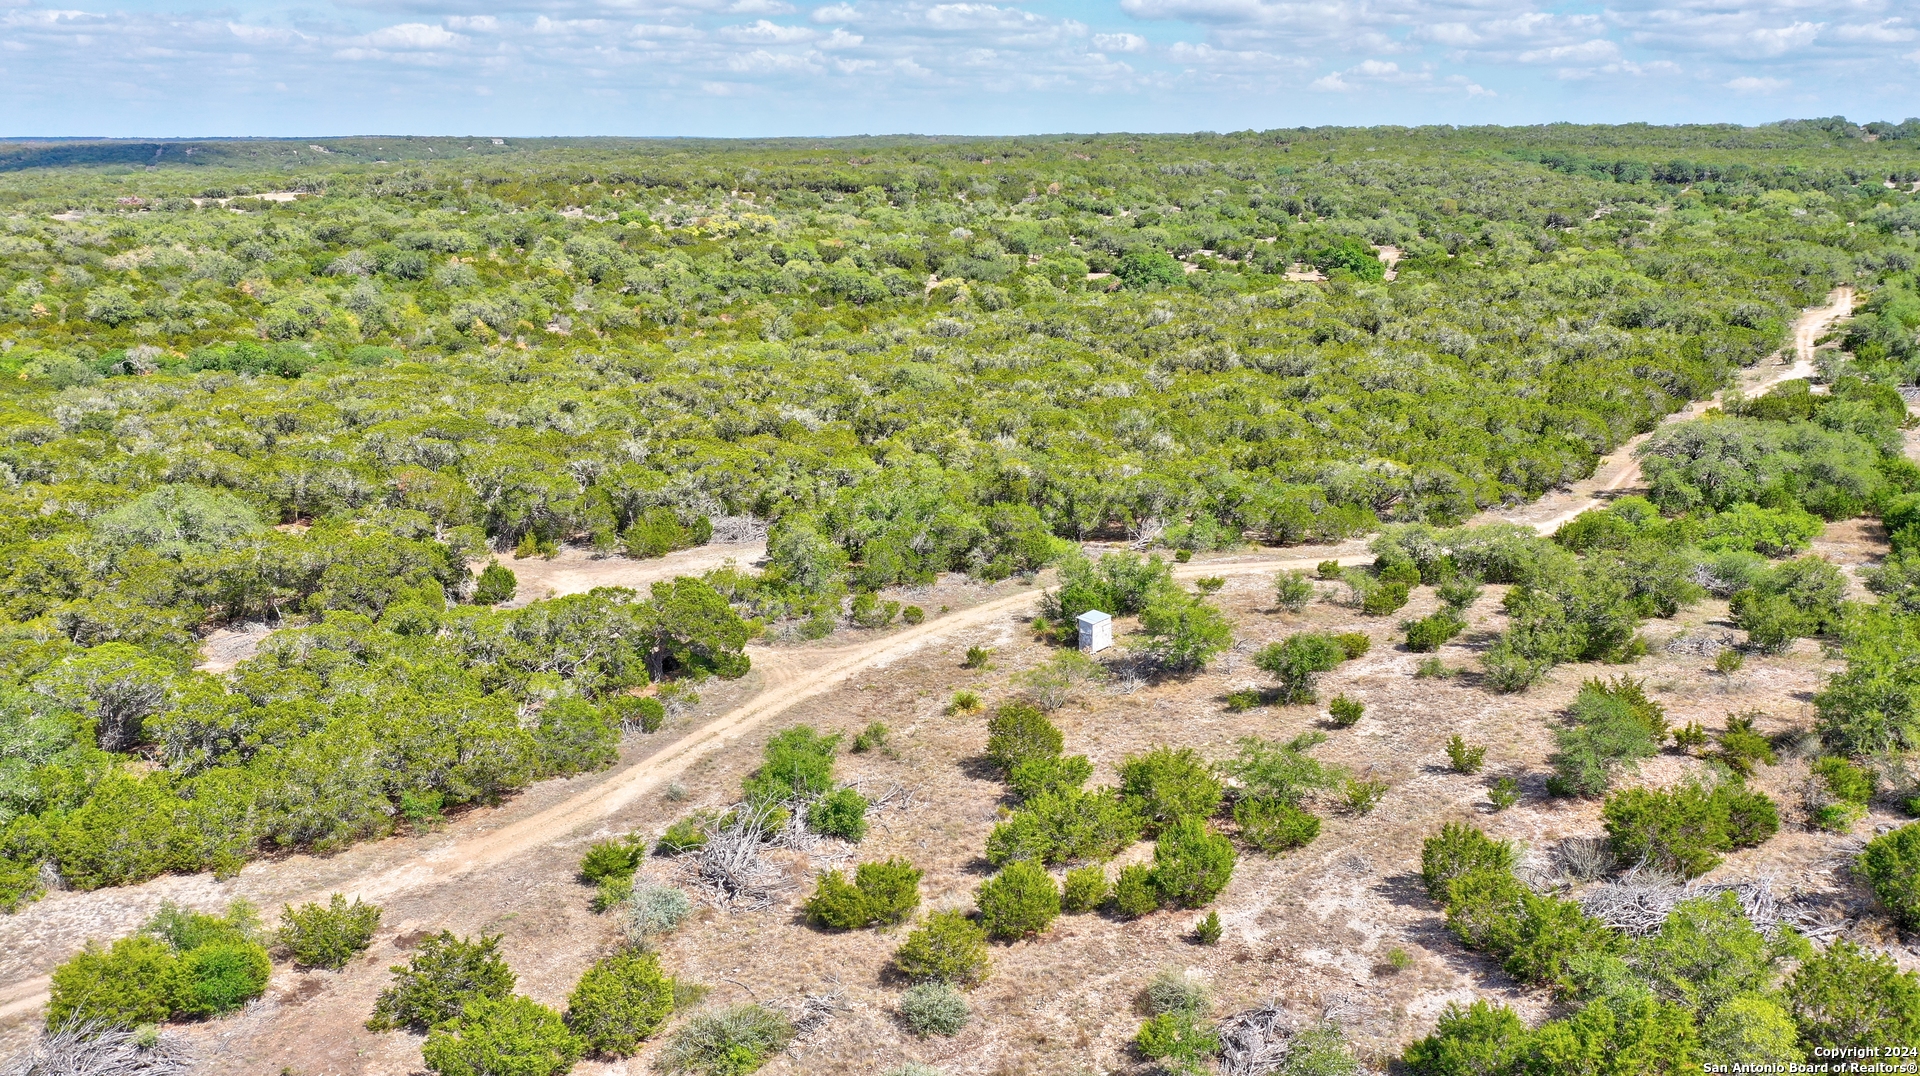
135, 981
1021, 900
1191, 863
445, 974
1184, 633
620, 1002
504, 1036
328, 937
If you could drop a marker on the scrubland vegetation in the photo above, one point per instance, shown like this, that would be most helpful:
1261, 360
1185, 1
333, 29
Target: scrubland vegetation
345, 415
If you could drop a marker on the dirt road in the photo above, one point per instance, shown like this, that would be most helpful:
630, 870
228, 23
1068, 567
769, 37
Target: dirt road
1620, 469
789, 677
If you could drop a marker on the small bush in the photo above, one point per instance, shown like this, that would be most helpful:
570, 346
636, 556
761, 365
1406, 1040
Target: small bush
1346, 711
880, 893
1430, 633
1084, 889
1398, 571
1353, 644
221, 976
1852, 997
616, 858
1298, 661
841, 813
871, 738
611, 893
1682, 829
185, 929
1890, 863
1292, 591
1274, 826
1181, 1042
797, 763
1432, 668
1504, 793
495, 1036
135, 981
1134, 894
1385, 599
497, 584
654, 911
1059, 827
1460, 849
1034, 777
1240, 702
1017, 732
1740, 746
446, 973
1399, 959
978, 657
1845, 781
328, 937
1019, 901
1330, 570
643, 712
732, 1041
1361, 797
1172, 991
1165, 785
934, 1008
948, 947
1321, 1050
688, 834
1466, 759
913, 614
1191, 864
619, 1003
964, 702
1208, 930
1459, 593
1690, 737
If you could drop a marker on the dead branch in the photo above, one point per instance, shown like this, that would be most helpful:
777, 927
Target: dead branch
1255, 1041
90, 1048
730, 871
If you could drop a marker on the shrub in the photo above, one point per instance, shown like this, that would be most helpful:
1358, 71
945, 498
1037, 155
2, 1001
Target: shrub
1084, 889
1741, 746
1465, 759
1361, 797
1208, 930
1459, 593
446, 973
1432, 668
1059, 827
948, 947
643, 712
221, 976
611, 893
798, 763
135, 981
1845, 781
1165, 785
1181, 1042
1353, 643
1890, 863
1298, 661
1459, 849
1329, 569
620, 1002
1690, 737
841, 813
655, 910
497, 584
1752, 818
1191, 864
1017, 732
1681, 829
688, 834
727, 1042
615, 858
497, 1036
1019, 901
1750, 1029
1385, 599
1504, 793
328, 937
871, 738
1134, 893
1321, 1050
933, 1008
1346, 711
978, 657
1430, 633
1035, 777
1851, 997
880, 893
1171, 991
1292, 591
1283, 772
1274, 826
1613, 726
1481, 1040
913, 614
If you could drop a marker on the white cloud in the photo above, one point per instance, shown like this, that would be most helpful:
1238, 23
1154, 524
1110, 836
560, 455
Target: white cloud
835, 13
1119, 42
1596, 51
766, 32
413, 35
1750, 84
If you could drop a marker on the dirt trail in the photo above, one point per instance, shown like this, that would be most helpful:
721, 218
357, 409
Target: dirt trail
1619, 470
791, 676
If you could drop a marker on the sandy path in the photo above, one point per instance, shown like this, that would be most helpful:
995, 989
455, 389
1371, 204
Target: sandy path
1620, 469
790, 677
576, 571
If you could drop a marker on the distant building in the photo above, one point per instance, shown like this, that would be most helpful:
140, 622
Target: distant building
1096, 631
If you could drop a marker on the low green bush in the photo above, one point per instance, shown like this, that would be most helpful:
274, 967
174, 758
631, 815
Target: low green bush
1465, 758
134, 981
653, 911
445, 973
1060, 827
1345, 711
797, 763
1292, 591
1165, 785
1049, 774
1459, 593
871, 738
1848, 996
1171, 991
1191, 864
1084, 889
948, 947
841, 813
1180, 1042
643, 712
221, 976
881, 893
1018, 731
1459, 849
497, 584
1362, 796
1019, 901
1208, 930
616, 858
1298, 662
1354, 644
1134, 893
732, 1041
1740, 745
1890, 863
619, 1003
496, 1036
1385, 599
1684, 828
687, 834
1431, 632
1274, 826
328, 937
934, 1008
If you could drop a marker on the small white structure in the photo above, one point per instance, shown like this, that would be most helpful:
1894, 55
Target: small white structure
1096, 631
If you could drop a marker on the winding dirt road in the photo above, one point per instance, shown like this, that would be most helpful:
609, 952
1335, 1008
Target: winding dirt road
792, 676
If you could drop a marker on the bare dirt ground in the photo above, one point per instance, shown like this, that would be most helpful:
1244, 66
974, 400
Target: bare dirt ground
1311, 929
576, 571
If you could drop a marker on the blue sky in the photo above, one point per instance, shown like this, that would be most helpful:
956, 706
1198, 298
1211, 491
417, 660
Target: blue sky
772, 67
